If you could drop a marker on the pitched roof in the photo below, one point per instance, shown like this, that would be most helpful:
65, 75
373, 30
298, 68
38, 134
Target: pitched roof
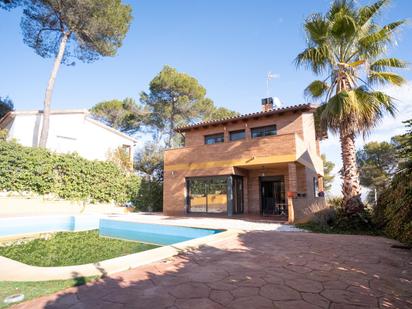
299, 107
85, 112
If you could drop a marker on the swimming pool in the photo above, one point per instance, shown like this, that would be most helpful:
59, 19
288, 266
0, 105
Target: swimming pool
143, 232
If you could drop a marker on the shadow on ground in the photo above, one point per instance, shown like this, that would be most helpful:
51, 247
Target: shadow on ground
258, 270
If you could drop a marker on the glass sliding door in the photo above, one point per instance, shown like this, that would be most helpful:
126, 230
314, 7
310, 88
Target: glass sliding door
207, 194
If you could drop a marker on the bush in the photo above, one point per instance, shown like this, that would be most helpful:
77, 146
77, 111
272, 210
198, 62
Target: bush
69, 176
393, 212
336, 220
150, 196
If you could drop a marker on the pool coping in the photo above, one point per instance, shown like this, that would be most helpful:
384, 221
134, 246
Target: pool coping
11, 270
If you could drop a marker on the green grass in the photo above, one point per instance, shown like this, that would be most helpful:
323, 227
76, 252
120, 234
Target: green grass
71, 248
36, 289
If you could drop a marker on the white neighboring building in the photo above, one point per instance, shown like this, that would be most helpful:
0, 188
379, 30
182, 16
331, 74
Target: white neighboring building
70, 131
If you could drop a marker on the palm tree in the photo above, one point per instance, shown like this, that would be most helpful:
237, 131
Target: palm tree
348, 48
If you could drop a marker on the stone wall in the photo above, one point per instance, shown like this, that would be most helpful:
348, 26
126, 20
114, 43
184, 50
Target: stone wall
305, 208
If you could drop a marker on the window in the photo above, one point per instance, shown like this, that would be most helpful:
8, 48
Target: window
207, 194
315, 186
214, 139
237, 135
263, 131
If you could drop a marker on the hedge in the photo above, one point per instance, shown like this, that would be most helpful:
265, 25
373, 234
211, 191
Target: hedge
69, 176
393, 211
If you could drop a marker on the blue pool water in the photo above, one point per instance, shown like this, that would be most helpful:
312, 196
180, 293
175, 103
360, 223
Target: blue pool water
144, 232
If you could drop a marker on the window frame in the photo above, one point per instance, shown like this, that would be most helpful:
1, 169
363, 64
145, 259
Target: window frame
222, 135
237, 131
264, 132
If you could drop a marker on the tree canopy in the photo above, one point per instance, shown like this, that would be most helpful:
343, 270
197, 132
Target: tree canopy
126, 115
328, 177
94, 28
176, 99
6, 105
377, 163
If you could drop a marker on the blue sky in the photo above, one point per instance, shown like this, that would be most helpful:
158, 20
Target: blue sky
229, 46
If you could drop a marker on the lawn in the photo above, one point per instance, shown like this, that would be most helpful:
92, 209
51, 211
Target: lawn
36, 289
71, 248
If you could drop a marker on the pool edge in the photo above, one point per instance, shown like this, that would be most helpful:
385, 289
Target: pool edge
11, 270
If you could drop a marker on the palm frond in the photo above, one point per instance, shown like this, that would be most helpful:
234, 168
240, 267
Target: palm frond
346, 7
356, 63
384, 63
316, 89
369, 11
380, 36
383, 78
343, 26
316, 58
316, 28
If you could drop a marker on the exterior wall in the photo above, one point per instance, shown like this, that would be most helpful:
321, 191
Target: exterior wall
285, 124
244, 153
68, 133
308, 150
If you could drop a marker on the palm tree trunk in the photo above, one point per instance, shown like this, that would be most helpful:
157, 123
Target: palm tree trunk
351, 187
49, 90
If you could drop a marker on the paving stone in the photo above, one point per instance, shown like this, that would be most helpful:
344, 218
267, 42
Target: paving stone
190, 290
315, 299
221, 297
387, 302
348, 297
198, 303
278, 292
255, 302
294, 304
335, 285
305, 285
299, 269
320, 275
245, 291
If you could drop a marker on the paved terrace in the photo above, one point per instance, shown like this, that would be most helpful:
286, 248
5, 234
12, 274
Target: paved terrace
258, 269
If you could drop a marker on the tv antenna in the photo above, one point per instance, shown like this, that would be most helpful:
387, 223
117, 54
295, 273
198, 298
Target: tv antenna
270, 76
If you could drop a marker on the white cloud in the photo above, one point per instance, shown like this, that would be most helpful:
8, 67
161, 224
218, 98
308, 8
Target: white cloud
388, 127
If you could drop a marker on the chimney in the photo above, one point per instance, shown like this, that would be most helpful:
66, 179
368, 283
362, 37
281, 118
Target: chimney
267, 104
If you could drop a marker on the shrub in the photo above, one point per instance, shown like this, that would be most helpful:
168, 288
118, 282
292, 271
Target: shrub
69, 176
393, 212
335, 201
336, 220
150, 196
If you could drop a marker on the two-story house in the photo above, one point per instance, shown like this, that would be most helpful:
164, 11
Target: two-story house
265, 163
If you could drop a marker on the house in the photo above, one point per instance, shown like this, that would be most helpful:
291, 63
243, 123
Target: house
69, 131
266, 163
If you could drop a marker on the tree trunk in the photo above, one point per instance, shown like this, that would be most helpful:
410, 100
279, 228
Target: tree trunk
49, 90
351, 187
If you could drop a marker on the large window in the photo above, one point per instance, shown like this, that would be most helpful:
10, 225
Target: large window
207, 194
214, 139
237, 135
263, 131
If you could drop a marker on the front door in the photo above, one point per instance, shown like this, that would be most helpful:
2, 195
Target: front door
273, 200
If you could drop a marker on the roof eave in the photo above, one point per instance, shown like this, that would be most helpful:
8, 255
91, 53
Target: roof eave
300, 107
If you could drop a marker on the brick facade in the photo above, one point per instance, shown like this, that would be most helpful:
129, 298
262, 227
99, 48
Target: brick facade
292, 154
